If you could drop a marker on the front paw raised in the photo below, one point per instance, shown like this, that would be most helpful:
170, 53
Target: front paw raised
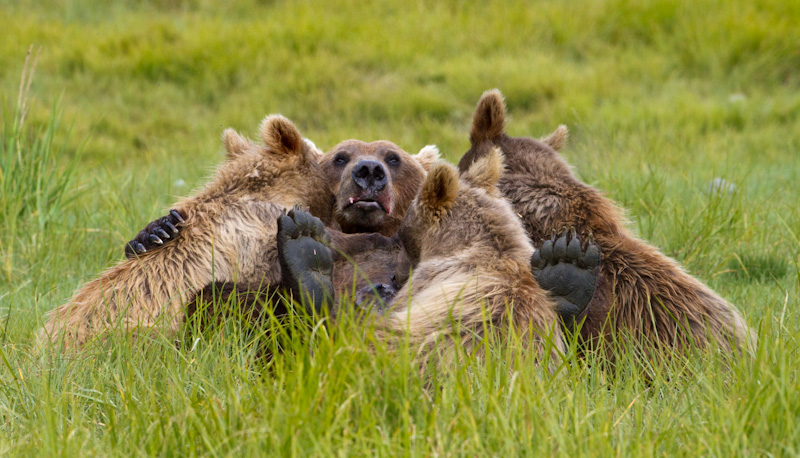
568, 270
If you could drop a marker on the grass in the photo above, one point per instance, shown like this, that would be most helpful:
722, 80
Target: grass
661, 98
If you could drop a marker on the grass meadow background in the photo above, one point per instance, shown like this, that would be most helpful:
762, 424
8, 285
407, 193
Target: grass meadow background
124, 113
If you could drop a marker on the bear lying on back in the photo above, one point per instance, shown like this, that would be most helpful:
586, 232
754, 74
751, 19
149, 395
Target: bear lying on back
641, 293
373, 184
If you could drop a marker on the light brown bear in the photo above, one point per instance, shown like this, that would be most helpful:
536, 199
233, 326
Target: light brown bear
374, 183
471, 264
229, 235
640, 292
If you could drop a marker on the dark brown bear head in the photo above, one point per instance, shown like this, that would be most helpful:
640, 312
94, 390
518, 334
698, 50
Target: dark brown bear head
537, 180
536, 157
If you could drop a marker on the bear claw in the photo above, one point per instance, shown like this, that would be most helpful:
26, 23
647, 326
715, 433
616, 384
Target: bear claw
177, 217
569, 272
574, 248
547, 250
156, 234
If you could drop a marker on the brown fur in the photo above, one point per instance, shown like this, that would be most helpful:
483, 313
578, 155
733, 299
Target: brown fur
229, 236
362, 260
471, 260
641, 292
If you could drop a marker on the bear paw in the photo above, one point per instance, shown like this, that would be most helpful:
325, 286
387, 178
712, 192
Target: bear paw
305, 257
568, 271
156, 234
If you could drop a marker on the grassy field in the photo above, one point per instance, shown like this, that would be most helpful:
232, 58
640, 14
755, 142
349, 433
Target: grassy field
124, 114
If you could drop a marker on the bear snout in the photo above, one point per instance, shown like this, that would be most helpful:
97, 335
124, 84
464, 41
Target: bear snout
370, 175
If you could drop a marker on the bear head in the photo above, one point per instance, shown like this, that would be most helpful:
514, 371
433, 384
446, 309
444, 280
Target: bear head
455, 213
538, 158
284, 169
537, 181
374, 183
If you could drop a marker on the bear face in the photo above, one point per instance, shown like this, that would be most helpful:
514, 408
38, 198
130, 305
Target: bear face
373, 183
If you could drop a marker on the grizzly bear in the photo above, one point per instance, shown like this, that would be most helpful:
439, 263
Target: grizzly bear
372, 185
640, 293
229, 235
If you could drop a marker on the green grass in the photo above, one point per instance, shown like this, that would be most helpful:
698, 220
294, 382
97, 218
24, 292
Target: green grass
124, 114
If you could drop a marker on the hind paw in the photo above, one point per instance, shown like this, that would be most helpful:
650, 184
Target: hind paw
305, 257
568, 270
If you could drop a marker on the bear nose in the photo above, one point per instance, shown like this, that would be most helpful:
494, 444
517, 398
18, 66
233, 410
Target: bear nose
370, 175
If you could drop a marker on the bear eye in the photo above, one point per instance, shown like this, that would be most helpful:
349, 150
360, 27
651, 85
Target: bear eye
340, 159
393, 159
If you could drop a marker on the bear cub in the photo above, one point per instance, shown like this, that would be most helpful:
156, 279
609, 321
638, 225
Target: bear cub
228, 234
641, 294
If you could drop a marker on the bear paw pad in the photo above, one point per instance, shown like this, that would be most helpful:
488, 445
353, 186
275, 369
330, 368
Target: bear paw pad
305, 257
568, 269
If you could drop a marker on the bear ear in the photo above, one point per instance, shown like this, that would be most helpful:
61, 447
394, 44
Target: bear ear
427, 156
235, 144
486, 171
558, 138
280, 135
489, 120
439, 190
315, 152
